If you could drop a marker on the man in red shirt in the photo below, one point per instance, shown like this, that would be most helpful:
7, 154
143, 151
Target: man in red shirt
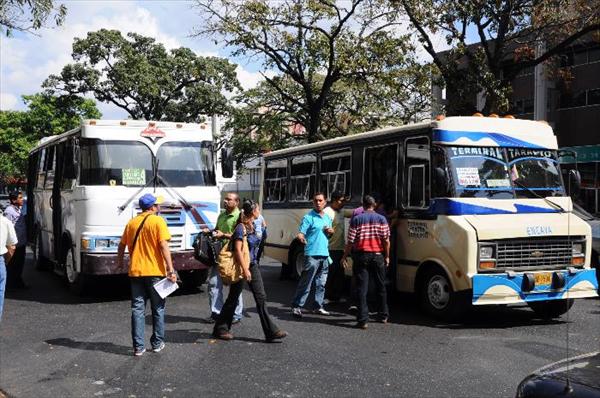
369, 241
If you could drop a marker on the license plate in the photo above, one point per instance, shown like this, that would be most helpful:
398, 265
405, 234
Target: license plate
543, 279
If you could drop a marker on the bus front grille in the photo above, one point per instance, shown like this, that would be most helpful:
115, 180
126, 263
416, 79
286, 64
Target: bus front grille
532, 253
176, 242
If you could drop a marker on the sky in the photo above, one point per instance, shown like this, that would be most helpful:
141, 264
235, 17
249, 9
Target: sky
26, 59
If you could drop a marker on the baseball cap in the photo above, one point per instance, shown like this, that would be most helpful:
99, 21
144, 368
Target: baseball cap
147, 200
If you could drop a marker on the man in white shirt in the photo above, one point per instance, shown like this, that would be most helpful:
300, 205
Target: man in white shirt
336, 277
8, 242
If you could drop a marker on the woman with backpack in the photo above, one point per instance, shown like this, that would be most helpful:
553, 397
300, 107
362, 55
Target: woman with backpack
244, 257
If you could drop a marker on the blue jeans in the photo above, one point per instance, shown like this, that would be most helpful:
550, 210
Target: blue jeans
142, 289
315, 268
2, 283
215, 295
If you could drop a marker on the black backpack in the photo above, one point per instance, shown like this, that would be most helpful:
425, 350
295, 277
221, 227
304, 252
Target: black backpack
207, 249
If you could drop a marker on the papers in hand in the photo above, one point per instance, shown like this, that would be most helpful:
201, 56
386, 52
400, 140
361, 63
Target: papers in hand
164, 287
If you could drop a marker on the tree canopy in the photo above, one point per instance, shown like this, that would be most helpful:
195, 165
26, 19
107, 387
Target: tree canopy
513, 35
339, 66
46, 115
29, 15
140, 76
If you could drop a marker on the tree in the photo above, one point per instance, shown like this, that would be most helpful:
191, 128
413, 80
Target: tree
513, 35
29, 15
20, 131
141, 77
320, 50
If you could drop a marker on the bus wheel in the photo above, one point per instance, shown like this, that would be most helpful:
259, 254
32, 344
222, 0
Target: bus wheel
193, 278
552, 308
75, 280
297, 262
438, 298
41, 262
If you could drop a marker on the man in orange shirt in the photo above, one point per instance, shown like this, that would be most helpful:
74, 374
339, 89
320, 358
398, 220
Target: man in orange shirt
147, 239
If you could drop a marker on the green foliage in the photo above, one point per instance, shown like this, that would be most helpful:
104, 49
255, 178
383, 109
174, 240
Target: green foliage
29, 15
141, 77
511, 34
20, 131
339, 67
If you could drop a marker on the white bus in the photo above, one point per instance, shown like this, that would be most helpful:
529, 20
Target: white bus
484, 215
84, 185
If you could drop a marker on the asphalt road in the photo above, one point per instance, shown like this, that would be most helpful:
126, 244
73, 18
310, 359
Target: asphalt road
55, 345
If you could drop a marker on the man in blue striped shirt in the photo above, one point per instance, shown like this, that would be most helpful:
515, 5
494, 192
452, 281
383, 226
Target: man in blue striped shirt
314, 232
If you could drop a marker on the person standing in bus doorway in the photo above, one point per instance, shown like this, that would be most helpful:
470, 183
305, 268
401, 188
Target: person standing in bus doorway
16, 216
335, 280
146, 237
315, 228
223, 231
8, 242
369, 241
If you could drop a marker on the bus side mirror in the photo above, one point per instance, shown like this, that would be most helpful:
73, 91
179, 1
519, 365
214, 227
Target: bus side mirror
440, 179
574, 183
227, 162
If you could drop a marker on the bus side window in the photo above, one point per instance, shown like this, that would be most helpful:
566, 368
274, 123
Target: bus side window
335, 173
302, 178
416, 168
275, 182
50, 166
69, 166
41, 169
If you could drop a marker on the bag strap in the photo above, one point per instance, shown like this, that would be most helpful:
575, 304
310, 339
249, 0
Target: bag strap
137, 234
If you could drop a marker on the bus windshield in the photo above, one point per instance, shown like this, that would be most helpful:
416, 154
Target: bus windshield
504, 173
130, 163
182, 164
115, 163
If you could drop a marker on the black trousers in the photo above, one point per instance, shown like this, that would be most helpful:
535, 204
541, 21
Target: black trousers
364, 265
14, 269
257, 287
334, 288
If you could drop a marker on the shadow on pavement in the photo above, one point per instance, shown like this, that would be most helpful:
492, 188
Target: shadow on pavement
404, 309
110, 348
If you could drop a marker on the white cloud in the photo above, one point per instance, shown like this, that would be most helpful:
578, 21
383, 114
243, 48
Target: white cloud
27, 60
8, 101
251, 79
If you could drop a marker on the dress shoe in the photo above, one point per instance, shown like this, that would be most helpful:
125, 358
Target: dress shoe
278, 335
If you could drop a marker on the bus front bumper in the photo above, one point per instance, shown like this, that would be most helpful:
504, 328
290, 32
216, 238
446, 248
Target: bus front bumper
512, 288
106, 263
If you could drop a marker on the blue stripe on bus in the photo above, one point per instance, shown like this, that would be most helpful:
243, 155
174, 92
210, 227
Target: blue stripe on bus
447, 206
501, 140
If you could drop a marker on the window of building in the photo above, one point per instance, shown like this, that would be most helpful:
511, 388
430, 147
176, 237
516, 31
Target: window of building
275, 184
571, 100
580, 58
594, 55
335, 173
593, 96
528, 105
302, 178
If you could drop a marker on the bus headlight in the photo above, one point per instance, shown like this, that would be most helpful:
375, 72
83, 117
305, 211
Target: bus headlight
578, 254
102, 243
487, 256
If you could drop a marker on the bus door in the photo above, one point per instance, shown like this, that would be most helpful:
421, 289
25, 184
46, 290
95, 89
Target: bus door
414, 237
381, 173
46, 203
64, 178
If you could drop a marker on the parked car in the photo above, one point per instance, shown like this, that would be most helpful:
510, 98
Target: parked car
577, 377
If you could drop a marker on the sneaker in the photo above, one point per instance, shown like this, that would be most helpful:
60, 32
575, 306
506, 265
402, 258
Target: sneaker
138, 352
235, 321
383, 319
297, 312
159, 348
362, 325
322, 311
353, 309
278, 335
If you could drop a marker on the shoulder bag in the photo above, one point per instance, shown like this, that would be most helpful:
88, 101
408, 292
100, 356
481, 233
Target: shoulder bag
229, 270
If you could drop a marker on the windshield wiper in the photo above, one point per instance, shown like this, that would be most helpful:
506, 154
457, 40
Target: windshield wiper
537, 195
152, 180
197, 217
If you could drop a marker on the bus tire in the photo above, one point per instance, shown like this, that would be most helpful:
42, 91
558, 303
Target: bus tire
193, 278
41, 262
75, 280
437, 297
551, 308
296, 263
